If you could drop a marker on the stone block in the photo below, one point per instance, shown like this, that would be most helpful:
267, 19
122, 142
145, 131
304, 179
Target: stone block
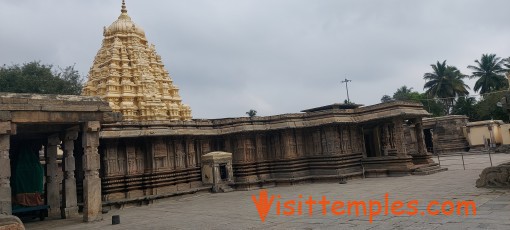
5, 127
5, 167
5, 116
92, 199
8, 222
135, 193
196, 184
183, 187
166, 189
92, 126
5, 200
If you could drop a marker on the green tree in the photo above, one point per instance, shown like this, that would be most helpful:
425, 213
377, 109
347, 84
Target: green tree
487, 109
386, 98
34, 77
490, 72
251, 113
507, 67
445, 82
466, 106
405, 93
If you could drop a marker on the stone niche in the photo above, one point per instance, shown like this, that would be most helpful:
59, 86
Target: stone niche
217, 171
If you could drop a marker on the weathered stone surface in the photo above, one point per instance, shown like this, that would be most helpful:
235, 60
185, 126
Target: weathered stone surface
91, 182
502, 149
212, 165
495, 177
8, 222
5, 175
52, 179
447, 133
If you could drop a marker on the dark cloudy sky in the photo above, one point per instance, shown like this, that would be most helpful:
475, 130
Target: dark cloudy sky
274, 56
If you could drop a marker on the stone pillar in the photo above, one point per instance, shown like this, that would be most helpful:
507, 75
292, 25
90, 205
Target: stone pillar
5, 169
70, 206
52, 180
420, 138
421, 156
91, 183
399, 138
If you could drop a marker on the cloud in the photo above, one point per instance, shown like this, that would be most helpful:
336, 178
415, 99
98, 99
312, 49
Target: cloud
230, 56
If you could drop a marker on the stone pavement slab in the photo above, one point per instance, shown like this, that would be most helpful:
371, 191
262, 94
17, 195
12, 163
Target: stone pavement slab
236, 210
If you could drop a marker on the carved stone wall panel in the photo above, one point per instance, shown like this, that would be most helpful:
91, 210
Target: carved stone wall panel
171, 153
141, 159
289, 144
190, 152
353, 138
249, 148
346, 145
317, 142
300, 147
160, 153
131, 157
206, 146
114, 159
180, 154
260, 147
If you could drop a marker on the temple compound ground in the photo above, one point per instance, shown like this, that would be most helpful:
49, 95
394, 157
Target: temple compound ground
236, 210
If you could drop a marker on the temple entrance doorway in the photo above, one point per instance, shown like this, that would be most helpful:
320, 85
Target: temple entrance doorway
372, 141
429, 142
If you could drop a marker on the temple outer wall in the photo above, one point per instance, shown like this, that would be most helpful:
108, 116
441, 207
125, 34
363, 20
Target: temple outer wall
447, 134
484, 134
157, 159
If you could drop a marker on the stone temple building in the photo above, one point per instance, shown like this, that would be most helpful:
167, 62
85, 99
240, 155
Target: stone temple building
129, 74
131, 140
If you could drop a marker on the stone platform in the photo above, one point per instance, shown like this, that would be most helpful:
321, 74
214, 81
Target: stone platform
237, 211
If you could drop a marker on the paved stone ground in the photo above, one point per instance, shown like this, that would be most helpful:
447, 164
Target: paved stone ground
236, 210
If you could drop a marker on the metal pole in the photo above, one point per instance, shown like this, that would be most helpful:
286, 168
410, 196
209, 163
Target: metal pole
463, 165
439, 161
347, 88
490, 158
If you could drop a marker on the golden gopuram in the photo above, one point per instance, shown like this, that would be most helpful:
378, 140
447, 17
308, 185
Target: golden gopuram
129, 74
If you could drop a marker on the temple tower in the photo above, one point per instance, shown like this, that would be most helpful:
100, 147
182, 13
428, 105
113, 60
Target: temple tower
129, 74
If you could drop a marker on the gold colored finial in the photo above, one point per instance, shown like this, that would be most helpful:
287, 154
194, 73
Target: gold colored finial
123, 10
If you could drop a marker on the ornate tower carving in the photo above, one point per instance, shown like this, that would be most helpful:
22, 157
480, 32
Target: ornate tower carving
129, 74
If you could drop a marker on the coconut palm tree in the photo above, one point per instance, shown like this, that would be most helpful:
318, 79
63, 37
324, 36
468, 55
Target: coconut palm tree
490, 72
507, 67
445, 82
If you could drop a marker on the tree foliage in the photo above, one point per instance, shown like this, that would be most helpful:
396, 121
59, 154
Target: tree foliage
251, 113
490, 72
445, 82
34, 77
405, 93
386, 98
466, 106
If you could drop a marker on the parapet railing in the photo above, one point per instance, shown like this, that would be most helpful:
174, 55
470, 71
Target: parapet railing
469, 160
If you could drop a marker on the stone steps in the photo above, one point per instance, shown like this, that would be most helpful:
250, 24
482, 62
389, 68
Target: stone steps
428, 169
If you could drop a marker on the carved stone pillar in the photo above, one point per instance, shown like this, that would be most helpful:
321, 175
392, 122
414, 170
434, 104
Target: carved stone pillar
399, 138
5, 169
52, 180
420, 138
91, 182
70, 208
